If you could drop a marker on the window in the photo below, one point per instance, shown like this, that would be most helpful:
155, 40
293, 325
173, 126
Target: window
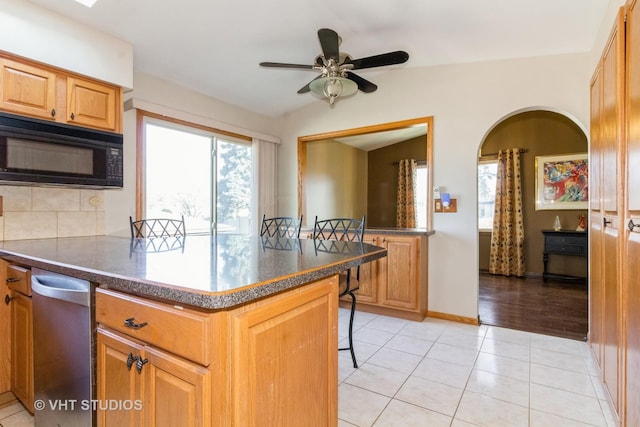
187, 169
487, 171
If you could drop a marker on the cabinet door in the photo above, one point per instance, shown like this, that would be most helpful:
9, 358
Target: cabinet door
92, 104
368, 290
284, 357
116, 380
22, 349
28, 90
400, 278
631, 253
596, 282
5, 331
177, 392
611, 135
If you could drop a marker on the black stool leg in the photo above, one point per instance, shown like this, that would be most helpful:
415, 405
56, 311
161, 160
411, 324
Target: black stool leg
350, 348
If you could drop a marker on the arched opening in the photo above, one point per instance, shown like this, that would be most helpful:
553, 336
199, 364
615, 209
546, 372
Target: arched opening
557, 305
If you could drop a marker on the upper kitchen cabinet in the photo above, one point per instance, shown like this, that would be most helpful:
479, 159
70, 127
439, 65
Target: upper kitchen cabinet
92, 104
38, 90
27, 89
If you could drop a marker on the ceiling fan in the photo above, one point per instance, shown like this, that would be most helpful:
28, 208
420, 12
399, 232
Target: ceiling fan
336, 78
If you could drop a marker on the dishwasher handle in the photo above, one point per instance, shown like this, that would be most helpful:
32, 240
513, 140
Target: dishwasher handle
61, 287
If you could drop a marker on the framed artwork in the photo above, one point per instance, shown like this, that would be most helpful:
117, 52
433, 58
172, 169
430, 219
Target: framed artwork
562, 182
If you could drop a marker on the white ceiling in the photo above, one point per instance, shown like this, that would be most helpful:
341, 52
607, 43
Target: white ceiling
214, 46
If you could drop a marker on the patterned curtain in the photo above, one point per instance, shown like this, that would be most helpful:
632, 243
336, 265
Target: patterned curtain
507, 238
406, 209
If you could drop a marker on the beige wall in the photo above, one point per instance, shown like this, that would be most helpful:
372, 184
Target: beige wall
335, 181
383, 179
42, 212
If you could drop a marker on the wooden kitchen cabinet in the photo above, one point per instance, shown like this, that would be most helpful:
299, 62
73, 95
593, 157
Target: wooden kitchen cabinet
274, 380
397, 284
91, 103
261, 359
22, 349
169, 390
18, 299
27, 89
153, 387
38, 90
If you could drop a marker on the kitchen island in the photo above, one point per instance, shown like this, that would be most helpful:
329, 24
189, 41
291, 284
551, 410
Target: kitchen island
210, 330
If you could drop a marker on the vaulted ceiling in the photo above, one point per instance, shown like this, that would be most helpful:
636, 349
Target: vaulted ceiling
215, 47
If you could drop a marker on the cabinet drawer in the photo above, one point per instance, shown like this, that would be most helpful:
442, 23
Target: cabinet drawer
19, 279
566, 249
184, 332
564, 240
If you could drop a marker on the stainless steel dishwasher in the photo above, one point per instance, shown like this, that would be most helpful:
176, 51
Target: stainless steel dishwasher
62, 350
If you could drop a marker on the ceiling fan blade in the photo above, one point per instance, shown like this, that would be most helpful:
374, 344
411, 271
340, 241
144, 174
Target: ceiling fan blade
329, 42
281, 65
307, 87
391, 58
363, 84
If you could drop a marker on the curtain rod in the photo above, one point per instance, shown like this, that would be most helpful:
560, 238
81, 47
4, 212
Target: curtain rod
420, 162
495, 155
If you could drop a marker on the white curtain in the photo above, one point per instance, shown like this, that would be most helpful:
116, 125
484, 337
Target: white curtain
265, 181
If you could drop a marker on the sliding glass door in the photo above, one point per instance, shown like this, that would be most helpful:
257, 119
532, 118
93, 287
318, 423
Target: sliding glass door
187, 169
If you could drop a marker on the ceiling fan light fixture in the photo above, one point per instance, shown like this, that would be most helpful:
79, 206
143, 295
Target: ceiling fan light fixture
333, 87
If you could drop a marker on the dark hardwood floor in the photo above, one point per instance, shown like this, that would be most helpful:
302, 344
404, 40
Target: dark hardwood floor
554, 307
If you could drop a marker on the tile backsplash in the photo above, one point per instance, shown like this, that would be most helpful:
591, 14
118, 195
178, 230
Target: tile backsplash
44, 212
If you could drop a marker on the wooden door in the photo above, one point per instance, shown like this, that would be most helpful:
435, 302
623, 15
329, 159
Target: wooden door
28, 90
596, 282
117, 380
400, 284
284, 357
22, 349
631, 253
612, 137
92, 104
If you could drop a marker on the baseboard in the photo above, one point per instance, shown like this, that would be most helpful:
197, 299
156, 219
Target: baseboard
6, 399
453, 317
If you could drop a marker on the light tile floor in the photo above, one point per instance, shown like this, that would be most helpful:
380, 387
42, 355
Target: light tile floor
438, 373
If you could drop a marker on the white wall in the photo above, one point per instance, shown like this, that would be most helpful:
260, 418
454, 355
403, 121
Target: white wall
466, 101
36, 33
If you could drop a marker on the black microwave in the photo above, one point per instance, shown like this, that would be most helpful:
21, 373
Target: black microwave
34, 151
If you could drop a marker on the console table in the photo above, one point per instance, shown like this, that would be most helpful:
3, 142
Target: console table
563, 242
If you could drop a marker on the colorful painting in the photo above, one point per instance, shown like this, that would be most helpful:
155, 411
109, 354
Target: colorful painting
562, 182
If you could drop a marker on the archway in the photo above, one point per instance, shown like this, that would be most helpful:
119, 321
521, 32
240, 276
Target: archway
560, 306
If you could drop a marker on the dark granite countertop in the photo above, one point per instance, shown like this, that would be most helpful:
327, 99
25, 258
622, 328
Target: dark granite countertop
210, 272
383, 230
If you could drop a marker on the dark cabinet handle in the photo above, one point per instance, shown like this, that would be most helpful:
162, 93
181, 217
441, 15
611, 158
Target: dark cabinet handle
140, 363
130, 323
12, 280
73, 116
130, 360
53, 112
605, 222
7, 299
632, 226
